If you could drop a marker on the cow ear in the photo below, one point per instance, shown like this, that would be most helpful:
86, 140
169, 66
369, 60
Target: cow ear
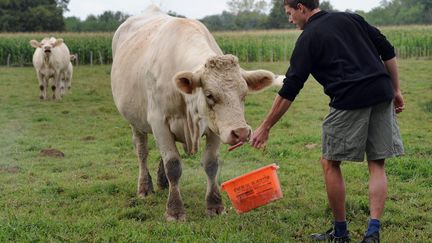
35, 44
258, 80
58, 42
187, 82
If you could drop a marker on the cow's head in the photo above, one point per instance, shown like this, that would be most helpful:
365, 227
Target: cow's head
221, 86
47, 44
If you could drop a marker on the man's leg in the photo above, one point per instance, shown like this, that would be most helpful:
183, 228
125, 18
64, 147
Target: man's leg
377, 197
377, 188
335, 187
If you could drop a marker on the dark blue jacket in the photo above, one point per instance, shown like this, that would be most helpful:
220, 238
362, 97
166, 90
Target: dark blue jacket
345, 55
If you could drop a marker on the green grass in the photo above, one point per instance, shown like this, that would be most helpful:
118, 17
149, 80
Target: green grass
90, 194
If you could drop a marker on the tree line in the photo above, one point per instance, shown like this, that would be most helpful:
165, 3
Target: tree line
48, 15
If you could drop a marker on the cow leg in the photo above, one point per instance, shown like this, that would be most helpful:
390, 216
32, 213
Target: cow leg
56, 87
173, 170
145, 185
62, 87
162, 180
66, 84
43, 84
210, 162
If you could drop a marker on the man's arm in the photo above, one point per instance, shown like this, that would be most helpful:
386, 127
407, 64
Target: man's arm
391, 66
261, 134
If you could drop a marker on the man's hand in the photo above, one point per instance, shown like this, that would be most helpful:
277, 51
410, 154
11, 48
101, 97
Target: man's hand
399, 103
260, 137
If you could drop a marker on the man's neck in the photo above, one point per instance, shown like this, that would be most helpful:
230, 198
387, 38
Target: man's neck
311, 13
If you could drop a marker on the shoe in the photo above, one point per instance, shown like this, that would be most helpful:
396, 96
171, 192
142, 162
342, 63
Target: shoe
330, 237
373, 238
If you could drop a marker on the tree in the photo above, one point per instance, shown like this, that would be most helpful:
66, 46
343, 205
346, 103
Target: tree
248, 20
277, 18
326, 5
238, 6
401, 12
32, 15
73, 24
107, 21
63, 4
174, 14
224, 21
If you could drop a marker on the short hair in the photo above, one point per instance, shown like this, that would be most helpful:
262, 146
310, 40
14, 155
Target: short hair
310, 4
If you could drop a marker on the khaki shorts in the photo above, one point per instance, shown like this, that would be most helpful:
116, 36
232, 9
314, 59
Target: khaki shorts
350, 134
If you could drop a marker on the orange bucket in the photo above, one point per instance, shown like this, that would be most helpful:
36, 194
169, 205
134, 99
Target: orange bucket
254, 189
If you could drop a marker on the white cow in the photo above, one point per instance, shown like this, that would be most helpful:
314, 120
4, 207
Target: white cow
66, 79
170, 78
51, 60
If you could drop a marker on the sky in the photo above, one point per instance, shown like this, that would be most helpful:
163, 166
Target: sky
194, 9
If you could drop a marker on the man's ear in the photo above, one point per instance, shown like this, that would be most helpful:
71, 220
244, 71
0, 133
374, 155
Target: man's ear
258, 80
58, 42
35, 43
301, 7
187, 82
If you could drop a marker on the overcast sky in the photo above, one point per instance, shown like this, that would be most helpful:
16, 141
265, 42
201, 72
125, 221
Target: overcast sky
195, 9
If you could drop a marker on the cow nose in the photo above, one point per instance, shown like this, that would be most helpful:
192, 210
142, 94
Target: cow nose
241, 134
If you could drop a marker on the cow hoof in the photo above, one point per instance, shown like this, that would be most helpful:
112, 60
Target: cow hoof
180, 217
214, 211
145, 194
41, 97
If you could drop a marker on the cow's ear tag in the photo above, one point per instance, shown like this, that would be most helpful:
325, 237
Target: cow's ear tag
186, 82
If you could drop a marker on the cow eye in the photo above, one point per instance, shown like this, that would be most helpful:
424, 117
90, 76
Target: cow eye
210, 99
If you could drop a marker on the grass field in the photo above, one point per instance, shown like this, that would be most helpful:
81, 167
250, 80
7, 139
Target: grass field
89, 195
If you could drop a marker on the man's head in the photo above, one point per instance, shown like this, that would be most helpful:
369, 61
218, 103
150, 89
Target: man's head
299, 11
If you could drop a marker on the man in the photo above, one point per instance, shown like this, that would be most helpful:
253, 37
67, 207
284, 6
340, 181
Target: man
357, 67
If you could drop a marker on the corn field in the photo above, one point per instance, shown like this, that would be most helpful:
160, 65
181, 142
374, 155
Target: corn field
411, 41
249, 46
90, 48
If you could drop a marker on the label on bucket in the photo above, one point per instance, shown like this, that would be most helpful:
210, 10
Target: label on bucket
260, 186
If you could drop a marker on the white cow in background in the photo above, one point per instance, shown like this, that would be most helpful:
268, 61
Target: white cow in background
170, 78
51, 60
66, 80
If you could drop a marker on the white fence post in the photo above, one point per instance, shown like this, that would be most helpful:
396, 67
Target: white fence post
8, 60
100, 58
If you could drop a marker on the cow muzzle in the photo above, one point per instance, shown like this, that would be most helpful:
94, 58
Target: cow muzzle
239, 135
47, 50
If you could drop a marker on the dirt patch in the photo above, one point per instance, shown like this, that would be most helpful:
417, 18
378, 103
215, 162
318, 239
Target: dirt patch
311, 145
50, 152
9, 169
88, 138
